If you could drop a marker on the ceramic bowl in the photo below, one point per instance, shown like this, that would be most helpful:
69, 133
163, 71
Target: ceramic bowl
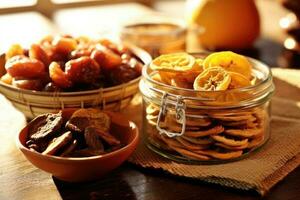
86, 168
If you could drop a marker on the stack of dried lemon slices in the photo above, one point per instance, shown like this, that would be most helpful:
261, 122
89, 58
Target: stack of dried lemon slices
218, 133
218, 71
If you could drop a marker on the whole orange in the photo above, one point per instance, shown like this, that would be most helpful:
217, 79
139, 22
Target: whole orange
225, 24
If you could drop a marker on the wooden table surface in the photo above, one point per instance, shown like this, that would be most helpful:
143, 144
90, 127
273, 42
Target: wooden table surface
20, 180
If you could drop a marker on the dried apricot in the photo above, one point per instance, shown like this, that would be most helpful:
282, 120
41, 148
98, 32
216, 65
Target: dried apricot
14, 50
37, 52
229, 61
212, 79
6, 78
30, 84
106, 58
64, 45
83, 40
122, 74
58, 76
22, 66
77, 53
82, 70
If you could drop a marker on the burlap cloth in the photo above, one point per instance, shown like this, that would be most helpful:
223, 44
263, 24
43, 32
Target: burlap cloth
261, 170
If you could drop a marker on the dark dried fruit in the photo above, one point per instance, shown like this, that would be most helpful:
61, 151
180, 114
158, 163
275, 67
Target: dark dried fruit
83, 118
92, 139
57, 143
69, 149
45, 126
77, 124
51, 87
123, 74
88, 134
108, 138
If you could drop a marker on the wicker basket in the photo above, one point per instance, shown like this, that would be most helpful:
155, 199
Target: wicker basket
33, 103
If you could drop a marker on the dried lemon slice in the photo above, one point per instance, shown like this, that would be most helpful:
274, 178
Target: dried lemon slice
212, 79
229, 61
198, 65
238, 80
166, 77
175, 62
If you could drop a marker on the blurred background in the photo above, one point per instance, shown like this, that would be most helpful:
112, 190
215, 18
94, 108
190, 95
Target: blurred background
264, 29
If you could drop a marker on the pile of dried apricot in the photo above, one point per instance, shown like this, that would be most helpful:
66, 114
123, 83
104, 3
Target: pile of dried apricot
218, 71
66, 63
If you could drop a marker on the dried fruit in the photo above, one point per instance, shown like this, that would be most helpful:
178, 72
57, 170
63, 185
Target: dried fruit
28, 84
83, 118
64, 45
92, 139
77, 53
37, 52
22, 66
70, 64
212, 79
82, 70
57, 143
85, 134
229, 61
70, 148
6, 78
58, 76
123, 74
14, 50
108, 138
238, 80
175, 62
106, 58
45, 126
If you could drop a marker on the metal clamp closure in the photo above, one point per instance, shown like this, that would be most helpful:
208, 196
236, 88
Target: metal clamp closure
180, 115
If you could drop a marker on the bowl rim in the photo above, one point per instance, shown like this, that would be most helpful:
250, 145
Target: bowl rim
80, 159
142, 54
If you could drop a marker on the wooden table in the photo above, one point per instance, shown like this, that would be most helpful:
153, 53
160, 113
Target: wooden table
20, 180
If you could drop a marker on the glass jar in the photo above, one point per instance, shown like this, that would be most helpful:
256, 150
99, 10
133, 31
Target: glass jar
157, 36
206, 126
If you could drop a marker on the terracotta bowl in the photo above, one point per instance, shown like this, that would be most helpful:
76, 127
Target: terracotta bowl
86, 168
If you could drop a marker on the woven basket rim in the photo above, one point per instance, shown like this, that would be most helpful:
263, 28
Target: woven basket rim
86, 92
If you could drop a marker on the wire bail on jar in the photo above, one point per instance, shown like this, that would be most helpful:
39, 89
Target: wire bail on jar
179, 114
